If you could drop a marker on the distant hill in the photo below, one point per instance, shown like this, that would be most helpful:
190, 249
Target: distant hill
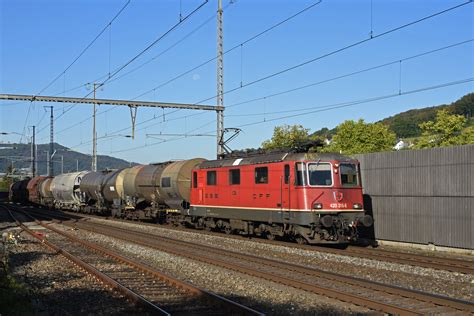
20, 153
406, 124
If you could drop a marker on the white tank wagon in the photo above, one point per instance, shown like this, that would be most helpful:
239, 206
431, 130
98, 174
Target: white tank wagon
66, 190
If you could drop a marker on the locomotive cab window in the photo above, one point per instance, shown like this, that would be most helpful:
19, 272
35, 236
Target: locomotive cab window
211, 178
349, 175
320, 174
195, 179
287, 174
300, 174
261, 175
234, 176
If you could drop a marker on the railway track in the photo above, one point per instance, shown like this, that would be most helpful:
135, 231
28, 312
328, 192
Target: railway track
153, 291
432, 262
373, 295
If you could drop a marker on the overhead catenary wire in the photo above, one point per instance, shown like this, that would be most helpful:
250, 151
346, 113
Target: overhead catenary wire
86, 48
78, 56
214, 58
253, 37
358, 43
360, 101
268, 96
320, 109
350, 74
339, 50
119, 69
131, 71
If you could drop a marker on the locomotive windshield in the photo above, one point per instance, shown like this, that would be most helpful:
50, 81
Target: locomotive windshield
319, 174
349, 175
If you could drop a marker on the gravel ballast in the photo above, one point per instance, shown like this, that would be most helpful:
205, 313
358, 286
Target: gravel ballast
457, 285
55, 286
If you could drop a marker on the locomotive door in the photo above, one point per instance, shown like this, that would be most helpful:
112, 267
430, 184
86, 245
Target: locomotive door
285, 198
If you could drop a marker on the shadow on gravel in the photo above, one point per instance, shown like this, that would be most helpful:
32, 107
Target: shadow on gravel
289, 308
54, 292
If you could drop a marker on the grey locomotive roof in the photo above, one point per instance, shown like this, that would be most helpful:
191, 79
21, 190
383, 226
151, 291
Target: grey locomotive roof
272, 157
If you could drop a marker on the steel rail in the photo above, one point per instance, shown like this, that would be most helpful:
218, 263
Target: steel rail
156, 242
417, 260
133, 297
231, 306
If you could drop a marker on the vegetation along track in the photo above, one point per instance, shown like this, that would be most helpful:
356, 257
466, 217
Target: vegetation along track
373, 295
150, 289
432, 262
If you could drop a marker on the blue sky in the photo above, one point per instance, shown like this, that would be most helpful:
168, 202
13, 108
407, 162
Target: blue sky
40, 38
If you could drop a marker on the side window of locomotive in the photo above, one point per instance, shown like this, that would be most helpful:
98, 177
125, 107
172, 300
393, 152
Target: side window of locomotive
234, 176
320, 174
349, 176
195, 179
166, 182
287, 174
300, 173
261, 175
211, 178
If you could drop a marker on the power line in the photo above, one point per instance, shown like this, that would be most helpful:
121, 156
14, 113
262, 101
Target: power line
351, 103
77, 58
86, 48
396, 61
307, 62
167, 140
289, 90
139, 54
342, 49
323, 108
233, 48
418, 55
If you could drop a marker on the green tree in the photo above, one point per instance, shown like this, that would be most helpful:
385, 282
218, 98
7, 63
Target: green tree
287, 136
464, 106
359, 137
445, 130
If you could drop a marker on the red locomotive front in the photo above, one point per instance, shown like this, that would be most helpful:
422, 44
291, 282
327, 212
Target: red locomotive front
308, 197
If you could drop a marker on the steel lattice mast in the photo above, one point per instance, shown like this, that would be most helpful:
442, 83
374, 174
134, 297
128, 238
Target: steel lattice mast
220, 82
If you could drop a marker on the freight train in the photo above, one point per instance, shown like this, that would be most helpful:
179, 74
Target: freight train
305, 197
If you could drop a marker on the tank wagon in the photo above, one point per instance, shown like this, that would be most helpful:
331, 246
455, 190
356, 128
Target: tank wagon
305, 197
92, 186
18, 192
46, 196
33, 188
66, 191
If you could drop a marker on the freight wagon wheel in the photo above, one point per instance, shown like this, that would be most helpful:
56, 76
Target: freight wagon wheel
228, 229
269, 235
301, 240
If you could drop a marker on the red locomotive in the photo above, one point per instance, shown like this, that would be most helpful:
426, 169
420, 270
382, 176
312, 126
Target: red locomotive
307, 197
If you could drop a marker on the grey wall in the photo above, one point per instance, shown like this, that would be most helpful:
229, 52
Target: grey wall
422, 196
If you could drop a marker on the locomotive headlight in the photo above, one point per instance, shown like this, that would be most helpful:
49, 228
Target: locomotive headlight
318, 206
357, 206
